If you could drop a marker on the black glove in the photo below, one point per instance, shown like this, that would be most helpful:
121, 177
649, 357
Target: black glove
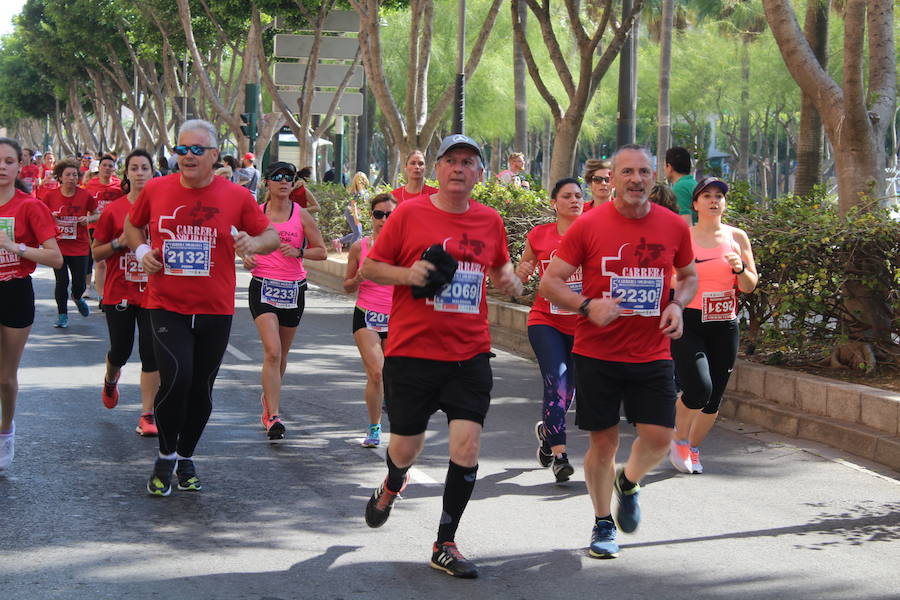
444, 269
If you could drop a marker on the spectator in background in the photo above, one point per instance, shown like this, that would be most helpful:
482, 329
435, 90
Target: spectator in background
664, 196
359, 192
515, 172
247, 176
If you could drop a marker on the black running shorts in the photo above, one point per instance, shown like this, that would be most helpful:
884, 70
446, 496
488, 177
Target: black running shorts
17, 300
647, 391
416, 388
287, 317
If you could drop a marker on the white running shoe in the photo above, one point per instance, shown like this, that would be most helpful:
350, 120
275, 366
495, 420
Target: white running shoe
680, 456
7, 448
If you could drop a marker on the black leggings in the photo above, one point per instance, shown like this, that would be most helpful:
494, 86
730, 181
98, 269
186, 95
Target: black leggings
78, 266
189, 350
704, 358
121, 321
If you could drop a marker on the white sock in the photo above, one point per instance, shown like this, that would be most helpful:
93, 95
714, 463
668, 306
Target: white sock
168, 456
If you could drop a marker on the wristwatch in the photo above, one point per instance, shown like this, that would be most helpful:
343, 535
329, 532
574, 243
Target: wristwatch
22, 249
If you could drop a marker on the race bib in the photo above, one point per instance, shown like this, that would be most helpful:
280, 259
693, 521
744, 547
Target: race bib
718, 306
640, 295
134, 272
8, 226
462, 295
280, 294
576, 287
377, 321
67, 227
186, 257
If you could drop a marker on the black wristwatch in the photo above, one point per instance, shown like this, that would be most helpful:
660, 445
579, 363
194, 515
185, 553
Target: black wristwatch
583, 309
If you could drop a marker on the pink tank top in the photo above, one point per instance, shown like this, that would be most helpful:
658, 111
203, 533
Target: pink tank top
715, 296
276, 265
371, 295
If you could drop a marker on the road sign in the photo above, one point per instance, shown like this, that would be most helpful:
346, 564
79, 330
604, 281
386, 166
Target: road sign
337, 20
288, 45
350, 104
326, 75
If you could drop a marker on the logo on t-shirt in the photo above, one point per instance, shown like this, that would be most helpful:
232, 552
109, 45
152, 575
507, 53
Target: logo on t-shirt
640, 287
194, 231
470, 248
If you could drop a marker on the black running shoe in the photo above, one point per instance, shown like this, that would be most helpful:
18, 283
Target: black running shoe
275, 428
379, 507
160, 483
446, 557
544, 453
187, 476
562, 470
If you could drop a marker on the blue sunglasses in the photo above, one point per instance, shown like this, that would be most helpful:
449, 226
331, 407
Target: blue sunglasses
195, 150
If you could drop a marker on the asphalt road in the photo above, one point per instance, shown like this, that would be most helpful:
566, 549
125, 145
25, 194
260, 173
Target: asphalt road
770, 518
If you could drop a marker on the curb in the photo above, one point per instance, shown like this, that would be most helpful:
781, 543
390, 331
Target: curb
858, 419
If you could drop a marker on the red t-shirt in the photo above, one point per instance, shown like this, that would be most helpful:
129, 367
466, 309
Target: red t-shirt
41, 192
31, 224
635, 257
192, 230
588, 206
402, 195
453, 326
104, 194
72, 236
298, 195
30, 175
544, 241
125, 280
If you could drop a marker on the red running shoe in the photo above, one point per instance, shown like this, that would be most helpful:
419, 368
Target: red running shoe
147, 425
110, 394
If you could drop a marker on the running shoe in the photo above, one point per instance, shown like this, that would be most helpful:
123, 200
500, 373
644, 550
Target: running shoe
446, 557
696, 467
379, 507
275, 428
7, 448
147, 425
83, 307
628, 515
110, 394
373, 437
264, 418
680, 455
562, 470
160, 483
62, 321
187, 476
544, 453
603, 540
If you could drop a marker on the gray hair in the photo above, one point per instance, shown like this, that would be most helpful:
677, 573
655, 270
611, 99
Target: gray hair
200, 125
632, 147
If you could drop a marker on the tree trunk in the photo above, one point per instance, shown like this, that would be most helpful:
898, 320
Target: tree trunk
810, 138
743, 168
664, 132
519, 91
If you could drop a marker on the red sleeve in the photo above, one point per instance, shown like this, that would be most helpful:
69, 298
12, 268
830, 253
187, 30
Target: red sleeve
103, 232
42, 222
503, 249
253, 220
685, 253
91, 203
571, 249
139, 215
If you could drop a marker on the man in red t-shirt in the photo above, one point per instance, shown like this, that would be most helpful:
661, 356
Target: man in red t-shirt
104, 188
438, 351
627, 249
196, 222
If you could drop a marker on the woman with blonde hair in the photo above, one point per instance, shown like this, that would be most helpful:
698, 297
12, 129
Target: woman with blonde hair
359, 191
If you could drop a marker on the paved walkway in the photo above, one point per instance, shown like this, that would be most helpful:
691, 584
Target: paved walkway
770, 518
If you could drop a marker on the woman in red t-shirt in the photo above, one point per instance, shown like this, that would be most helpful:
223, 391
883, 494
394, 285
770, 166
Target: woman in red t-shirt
27, 236
71, 206
551, 329
123, 294
301, 195
414, 168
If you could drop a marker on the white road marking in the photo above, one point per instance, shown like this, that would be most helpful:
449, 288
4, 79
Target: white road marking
237, 353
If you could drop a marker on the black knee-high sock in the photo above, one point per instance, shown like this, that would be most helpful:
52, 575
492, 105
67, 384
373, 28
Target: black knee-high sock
396, 475
457, 490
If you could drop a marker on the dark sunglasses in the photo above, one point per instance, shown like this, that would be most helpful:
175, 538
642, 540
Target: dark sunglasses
282, 177
87, 157
599, 179
381, 214
195, 150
